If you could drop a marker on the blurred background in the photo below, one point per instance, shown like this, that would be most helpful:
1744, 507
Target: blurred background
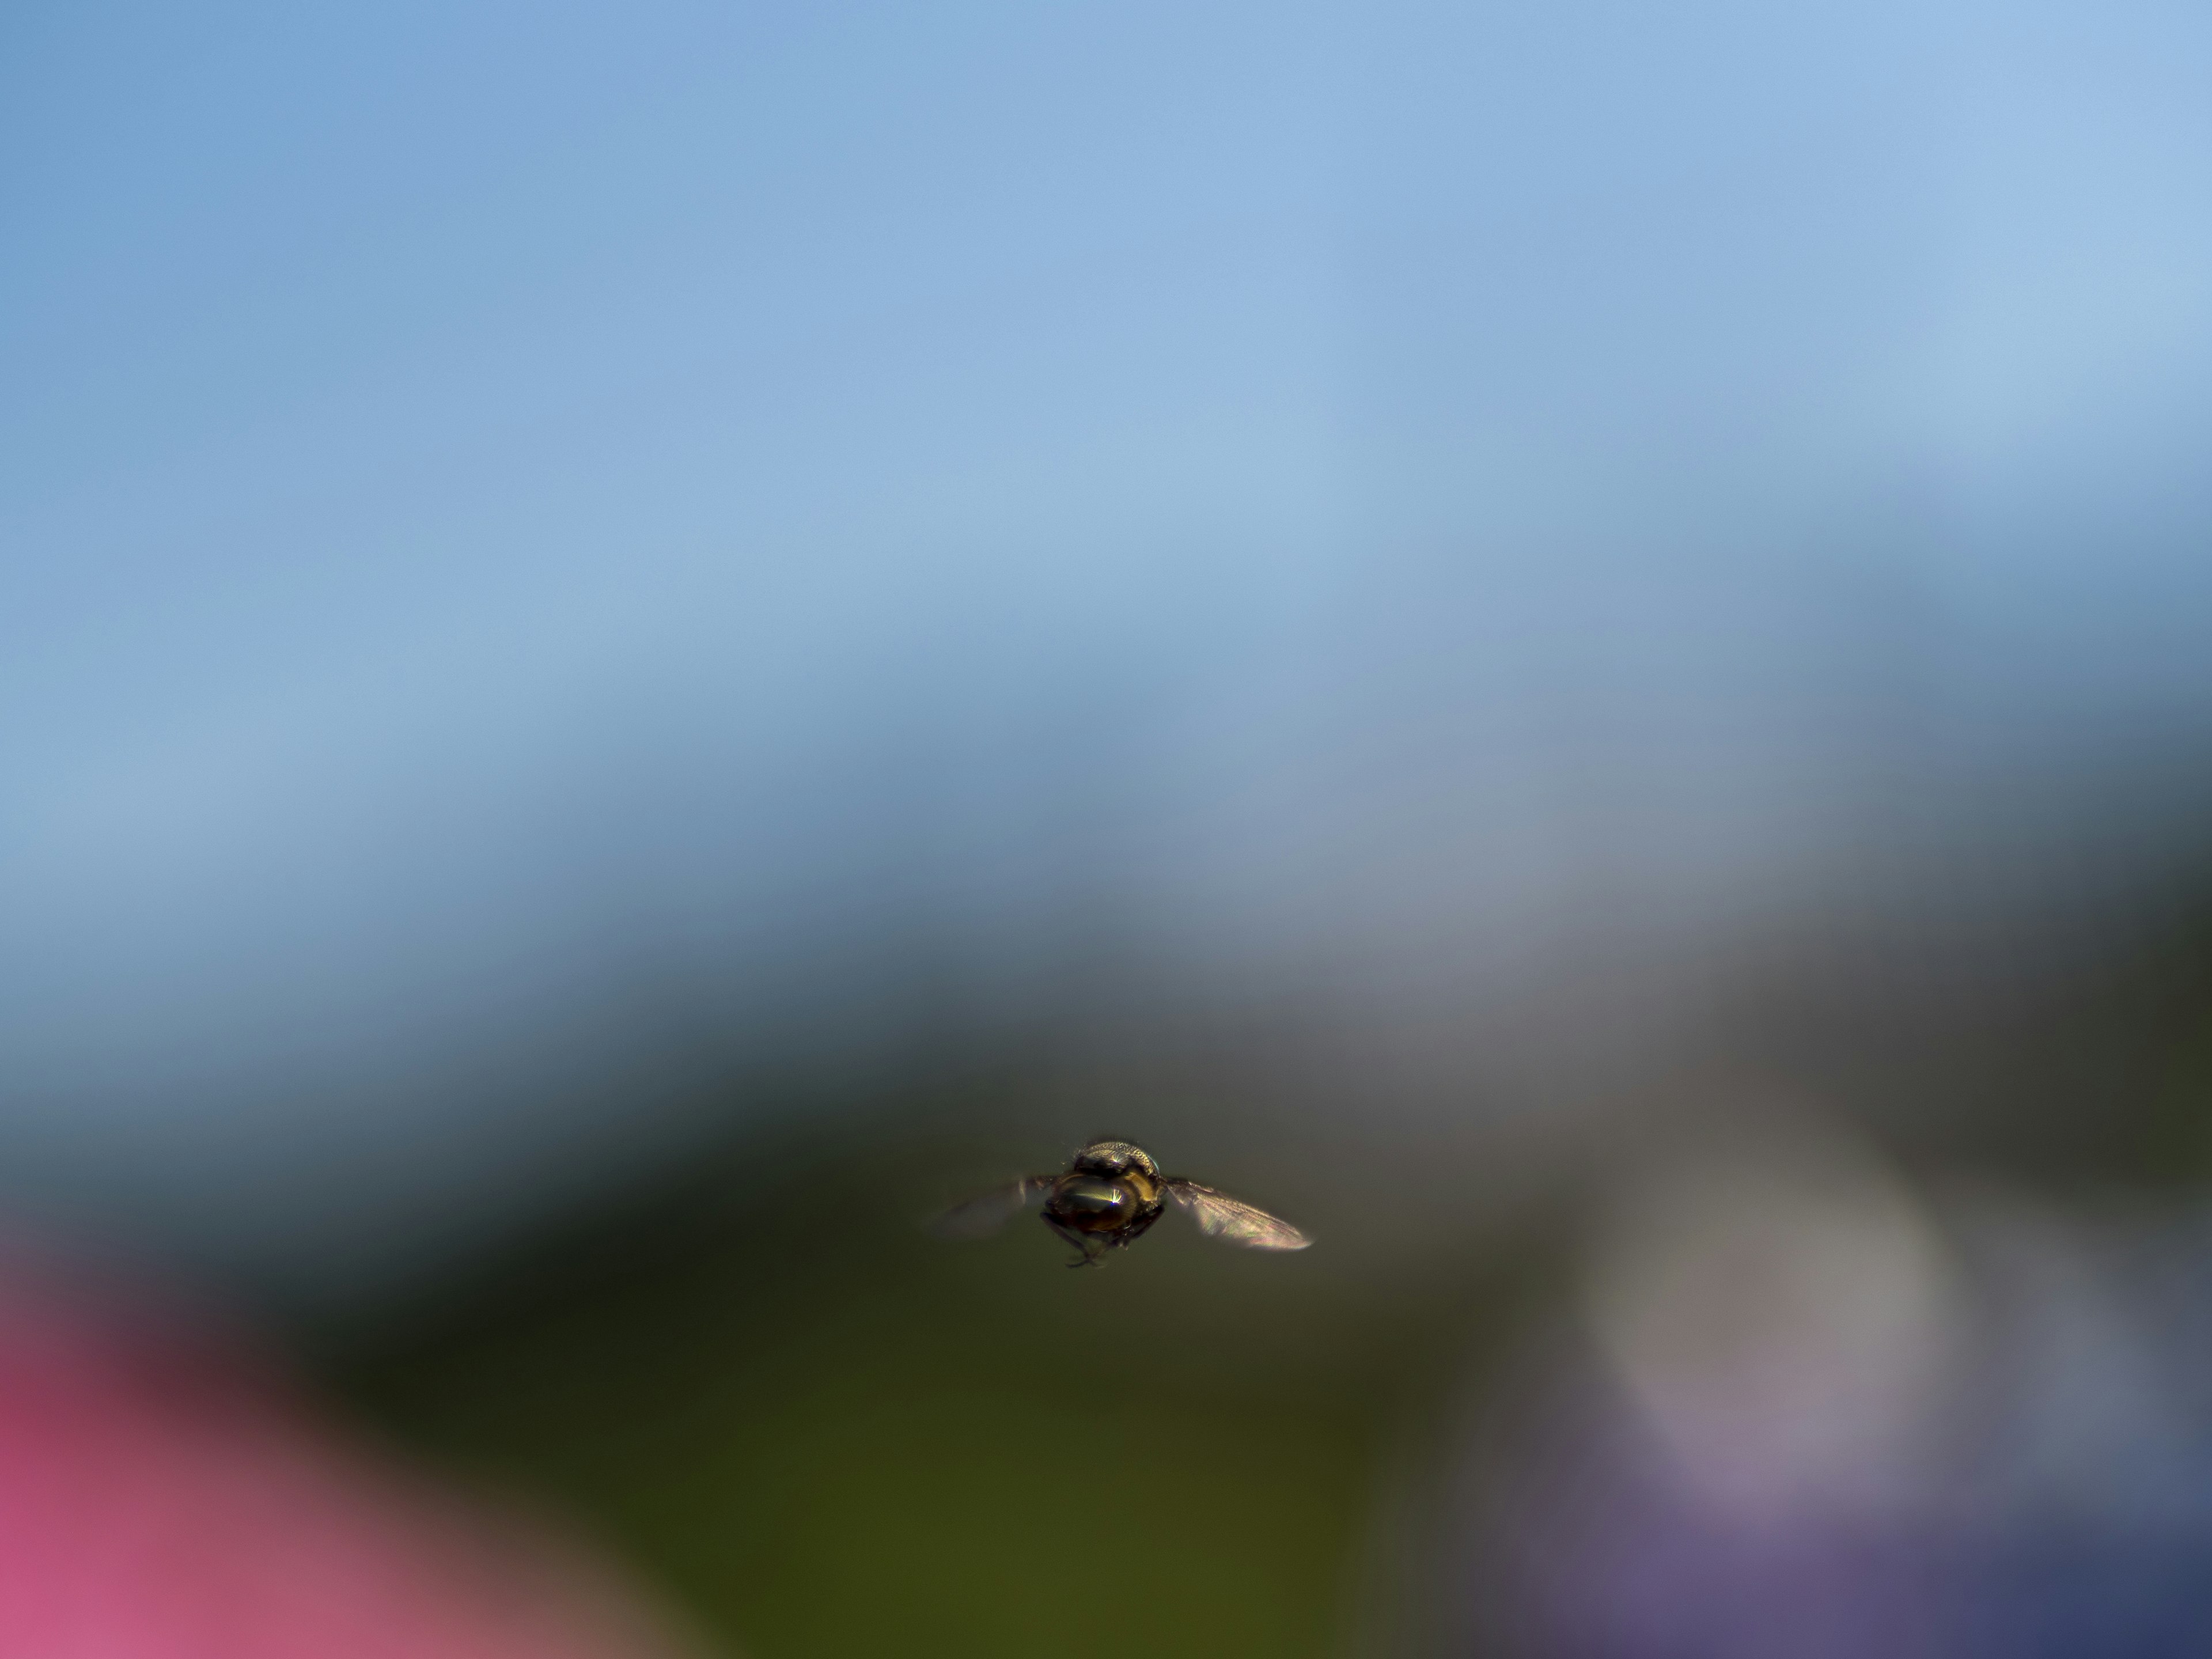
1571, 643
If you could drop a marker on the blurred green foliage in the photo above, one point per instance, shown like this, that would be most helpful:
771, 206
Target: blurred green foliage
822, 1432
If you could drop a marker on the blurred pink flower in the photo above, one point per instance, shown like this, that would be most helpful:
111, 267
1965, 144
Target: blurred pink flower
164, 1496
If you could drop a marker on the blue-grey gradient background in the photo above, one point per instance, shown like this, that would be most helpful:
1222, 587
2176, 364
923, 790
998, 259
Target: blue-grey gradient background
866, 510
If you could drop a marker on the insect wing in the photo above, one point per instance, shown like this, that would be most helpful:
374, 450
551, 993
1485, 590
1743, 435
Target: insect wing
1234, 1222
984, 1214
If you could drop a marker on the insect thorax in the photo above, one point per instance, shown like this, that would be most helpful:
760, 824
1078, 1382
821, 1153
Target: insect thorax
1116, 1160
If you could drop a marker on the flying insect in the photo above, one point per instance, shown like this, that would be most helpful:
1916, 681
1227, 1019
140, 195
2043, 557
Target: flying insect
1110, 1195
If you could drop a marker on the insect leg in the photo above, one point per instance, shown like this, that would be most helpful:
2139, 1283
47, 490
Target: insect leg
1090, 1258
1135, 1230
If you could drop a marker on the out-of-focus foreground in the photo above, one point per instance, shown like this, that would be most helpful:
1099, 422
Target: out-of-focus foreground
1570, 645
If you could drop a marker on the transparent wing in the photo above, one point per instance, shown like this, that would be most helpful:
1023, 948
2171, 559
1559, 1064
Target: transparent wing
984, 1214
1234, 1222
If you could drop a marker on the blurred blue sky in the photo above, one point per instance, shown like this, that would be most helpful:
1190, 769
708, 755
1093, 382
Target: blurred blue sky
487, 491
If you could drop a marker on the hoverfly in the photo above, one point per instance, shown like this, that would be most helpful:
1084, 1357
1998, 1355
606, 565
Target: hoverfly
1110, 1194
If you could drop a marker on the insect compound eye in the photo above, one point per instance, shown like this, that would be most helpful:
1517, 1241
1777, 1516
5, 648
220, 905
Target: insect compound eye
1099, 1200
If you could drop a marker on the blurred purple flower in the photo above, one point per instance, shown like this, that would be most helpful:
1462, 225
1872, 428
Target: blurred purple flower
1807, 1415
